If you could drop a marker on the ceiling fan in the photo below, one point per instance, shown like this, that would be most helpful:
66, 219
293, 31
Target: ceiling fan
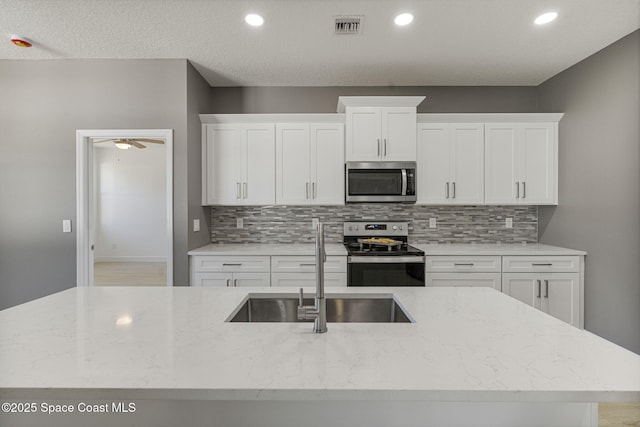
126, 143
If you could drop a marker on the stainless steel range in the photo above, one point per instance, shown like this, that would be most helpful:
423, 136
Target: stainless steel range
378, 255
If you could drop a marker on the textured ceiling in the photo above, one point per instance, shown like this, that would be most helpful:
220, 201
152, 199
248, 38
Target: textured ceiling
450, 42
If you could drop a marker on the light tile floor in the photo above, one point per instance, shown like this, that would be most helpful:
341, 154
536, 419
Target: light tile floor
130, 273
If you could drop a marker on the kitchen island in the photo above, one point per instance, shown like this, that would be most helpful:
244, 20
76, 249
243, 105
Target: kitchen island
472, 356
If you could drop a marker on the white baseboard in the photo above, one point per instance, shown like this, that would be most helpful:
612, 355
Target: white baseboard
130, 259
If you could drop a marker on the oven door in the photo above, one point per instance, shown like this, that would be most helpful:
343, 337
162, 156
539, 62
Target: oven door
385, 271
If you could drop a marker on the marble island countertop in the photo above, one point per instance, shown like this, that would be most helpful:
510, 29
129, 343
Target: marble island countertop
467, 344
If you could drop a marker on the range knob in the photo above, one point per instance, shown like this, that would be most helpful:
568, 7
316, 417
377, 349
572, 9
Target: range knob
395, 227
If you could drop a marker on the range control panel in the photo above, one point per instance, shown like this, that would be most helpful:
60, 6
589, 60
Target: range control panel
376, 228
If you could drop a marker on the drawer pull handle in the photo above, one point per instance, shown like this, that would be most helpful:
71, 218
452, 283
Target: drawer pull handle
546, 289
229, 265
463, 263
308, 265
542, 264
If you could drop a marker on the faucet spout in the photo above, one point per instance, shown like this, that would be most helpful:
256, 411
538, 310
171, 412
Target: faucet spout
319, 311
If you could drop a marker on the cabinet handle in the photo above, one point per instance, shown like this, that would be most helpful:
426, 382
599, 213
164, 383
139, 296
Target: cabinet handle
447, 190
228, 282
524, 189
462, 263
378, 147
313, 264
454, 190
539, 286
237, 190
542, 264
244, 190
224, 264
313, 190
546, 289
385, 147
517, 190
235, 283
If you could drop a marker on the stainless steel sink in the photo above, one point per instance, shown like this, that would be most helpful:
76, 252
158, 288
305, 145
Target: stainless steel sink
378, 308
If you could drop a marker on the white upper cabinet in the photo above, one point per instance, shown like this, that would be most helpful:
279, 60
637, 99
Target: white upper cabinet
450, 163
309, 164
239, 164
380, 128
521, 163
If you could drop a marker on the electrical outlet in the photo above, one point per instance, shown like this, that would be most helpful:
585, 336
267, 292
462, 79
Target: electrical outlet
508, 223
314, 223
196, 225
432, 223
239, 222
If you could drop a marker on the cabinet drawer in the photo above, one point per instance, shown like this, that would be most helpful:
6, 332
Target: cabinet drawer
246, 264
307, 264
452, 264
306, 280
490, 280
227, 280
543, 264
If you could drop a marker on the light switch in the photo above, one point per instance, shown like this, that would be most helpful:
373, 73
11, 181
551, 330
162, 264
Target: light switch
196, 225
66, 226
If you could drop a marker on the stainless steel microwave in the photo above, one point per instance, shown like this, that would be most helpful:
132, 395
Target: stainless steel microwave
370, 182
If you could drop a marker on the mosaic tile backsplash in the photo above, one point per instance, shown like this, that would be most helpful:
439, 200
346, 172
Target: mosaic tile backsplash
455, 224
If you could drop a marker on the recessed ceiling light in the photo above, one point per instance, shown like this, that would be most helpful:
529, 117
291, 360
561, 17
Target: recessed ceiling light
403, 19
545, 18
254, 20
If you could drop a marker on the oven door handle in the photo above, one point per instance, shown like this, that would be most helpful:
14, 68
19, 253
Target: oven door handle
404, 182
381, 259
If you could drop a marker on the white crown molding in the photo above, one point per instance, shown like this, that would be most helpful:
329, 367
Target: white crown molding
273, 118
488, 117
378, 101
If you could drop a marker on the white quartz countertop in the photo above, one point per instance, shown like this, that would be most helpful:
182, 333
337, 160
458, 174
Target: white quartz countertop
495, 249
467, 344
267, 249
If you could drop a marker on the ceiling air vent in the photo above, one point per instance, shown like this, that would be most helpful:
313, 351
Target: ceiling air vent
347, 25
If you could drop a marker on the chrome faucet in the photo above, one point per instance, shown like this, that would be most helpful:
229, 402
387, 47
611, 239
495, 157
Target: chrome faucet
318, 311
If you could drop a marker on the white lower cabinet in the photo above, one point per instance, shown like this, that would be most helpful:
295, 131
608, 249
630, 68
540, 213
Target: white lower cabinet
557, 294
230, 271
236, 280
299, 271
490, 280
463, 271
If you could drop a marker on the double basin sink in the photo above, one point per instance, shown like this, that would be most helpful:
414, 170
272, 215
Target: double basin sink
341, 308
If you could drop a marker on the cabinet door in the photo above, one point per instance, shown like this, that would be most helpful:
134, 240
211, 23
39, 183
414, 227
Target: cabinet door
327, 164
242, 280
490, 280
501, 161
560, 296
363, 134
467, 163
223, 165
398, 133
259, 186
538, 166
434, 164
293, 183
219, 280
523, 287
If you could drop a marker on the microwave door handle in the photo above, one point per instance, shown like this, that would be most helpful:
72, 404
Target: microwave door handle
404, 182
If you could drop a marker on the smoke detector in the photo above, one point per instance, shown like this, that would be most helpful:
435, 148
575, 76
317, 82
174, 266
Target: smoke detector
348, 25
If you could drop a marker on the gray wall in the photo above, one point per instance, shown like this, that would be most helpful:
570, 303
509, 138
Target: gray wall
198, 101
599, 177
439, 99
42, 103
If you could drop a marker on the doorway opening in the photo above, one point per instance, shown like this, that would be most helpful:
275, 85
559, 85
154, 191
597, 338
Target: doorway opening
124, 207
